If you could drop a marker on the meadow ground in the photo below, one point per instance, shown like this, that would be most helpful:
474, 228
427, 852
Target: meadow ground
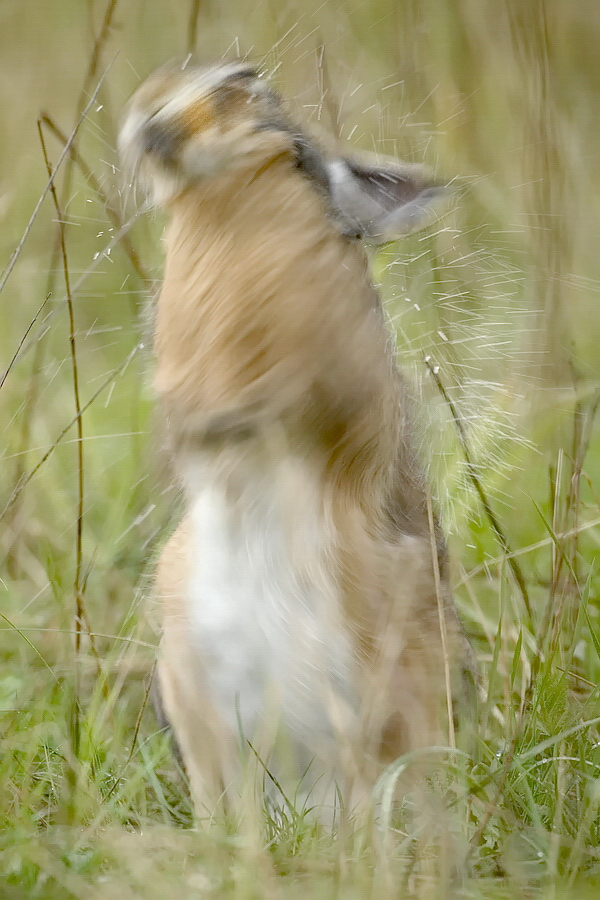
496, 310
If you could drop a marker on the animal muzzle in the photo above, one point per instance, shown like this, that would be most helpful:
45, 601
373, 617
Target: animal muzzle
163, 140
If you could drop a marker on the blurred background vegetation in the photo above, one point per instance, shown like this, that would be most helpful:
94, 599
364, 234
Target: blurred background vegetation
499, 97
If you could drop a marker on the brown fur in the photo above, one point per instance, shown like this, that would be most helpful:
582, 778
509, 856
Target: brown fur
270, 342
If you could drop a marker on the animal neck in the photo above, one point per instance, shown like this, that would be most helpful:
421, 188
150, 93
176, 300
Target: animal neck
266, 307
242, 235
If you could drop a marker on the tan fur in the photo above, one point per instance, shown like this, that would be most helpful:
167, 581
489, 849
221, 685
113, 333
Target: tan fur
273, 356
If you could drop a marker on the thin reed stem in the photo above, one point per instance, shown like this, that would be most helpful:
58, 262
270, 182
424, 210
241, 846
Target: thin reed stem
476, 482
75, 723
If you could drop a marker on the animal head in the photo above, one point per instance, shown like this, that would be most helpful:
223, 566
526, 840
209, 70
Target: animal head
186, 124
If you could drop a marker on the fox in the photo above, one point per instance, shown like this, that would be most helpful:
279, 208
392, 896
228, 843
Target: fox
307, 617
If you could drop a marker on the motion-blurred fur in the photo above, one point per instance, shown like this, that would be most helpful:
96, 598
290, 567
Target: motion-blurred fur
306, 604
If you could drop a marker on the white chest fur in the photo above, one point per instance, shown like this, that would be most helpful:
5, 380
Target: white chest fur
264, 604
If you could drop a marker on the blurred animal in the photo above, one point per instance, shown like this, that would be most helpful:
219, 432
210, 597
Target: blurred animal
307, 614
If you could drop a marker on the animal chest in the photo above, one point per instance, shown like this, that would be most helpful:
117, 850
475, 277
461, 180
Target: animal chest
264, 604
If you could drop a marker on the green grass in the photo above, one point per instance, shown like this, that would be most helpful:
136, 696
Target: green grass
502, 296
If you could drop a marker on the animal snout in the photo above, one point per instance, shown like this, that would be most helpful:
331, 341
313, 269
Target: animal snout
162, 140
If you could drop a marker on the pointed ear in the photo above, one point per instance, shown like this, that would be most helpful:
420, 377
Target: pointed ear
381, 202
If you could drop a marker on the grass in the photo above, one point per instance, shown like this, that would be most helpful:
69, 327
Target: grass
500, 297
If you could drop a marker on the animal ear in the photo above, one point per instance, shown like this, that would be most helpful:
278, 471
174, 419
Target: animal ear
380, 202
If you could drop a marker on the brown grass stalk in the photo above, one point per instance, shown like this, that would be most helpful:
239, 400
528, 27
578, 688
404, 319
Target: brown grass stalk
75, 730
46, 456
51, 178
